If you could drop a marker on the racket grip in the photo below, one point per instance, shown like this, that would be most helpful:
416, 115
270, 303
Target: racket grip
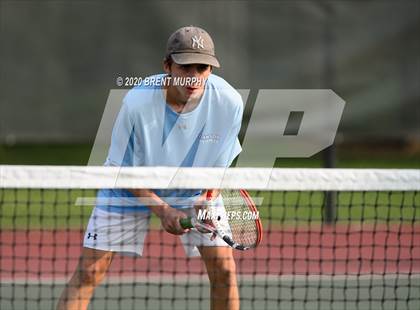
186, 223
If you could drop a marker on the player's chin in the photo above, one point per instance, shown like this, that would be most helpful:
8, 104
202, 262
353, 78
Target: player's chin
192, 91
193, 94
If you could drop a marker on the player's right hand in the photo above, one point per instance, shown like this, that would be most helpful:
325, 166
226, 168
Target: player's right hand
169, 218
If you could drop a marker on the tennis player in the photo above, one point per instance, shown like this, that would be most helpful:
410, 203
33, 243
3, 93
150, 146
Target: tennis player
187, 117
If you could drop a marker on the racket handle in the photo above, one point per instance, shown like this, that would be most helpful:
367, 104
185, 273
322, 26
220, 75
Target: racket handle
186, 223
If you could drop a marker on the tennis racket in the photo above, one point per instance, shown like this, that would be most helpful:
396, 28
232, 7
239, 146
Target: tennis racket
234, 219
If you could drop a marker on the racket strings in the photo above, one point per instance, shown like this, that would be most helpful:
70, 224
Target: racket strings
240, 218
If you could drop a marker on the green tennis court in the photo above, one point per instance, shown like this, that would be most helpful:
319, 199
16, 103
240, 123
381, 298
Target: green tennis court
58, 209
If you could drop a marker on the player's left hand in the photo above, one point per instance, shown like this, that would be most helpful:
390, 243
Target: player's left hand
202, 203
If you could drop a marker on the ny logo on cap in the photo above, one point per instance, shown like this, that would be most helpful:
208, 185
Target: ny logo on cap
197, 42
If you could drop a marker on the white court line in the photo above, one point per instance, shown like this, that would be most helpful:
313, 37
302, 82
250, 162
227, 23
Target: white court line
182, 279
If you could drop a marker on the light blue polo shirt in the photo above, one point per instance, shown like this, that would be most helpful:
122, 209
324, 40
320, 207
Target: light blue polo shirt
148, 132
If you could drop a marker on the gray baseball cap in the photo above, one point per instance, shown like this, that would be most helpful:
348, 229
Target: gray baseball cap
191, 45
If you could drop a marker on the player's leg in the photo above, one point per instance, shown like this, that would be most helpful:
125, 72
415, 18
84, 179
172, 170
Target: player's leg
220, 265
221, 270
90, 271
106, 234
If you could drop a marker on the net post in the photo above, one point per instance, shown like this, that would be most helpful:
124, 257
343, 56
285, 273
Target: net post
329, 156
330, 214
330, 209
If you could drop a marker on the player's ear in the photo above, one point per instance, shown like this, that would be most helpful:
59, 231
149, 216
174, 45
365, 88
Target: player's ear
167, 62
166, 67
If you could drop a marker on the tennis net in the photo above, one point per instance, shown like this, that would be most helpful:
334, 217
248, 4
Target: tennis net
367, 258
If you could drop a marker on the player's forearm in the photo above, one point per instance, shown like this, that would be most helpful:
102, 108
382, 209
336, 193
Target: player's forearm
150, 200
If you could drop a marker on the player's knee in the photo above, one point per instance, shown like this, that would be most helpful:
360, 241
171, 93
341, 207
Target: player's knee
91, 275
223, 270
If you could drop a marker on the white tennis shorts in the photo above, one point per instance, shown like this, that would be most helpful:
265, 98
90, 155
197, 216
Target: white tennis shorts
125, 233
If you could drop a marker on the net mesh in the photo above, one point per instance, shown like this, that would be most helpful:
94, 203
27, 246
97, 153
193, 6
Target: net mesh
369, 258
